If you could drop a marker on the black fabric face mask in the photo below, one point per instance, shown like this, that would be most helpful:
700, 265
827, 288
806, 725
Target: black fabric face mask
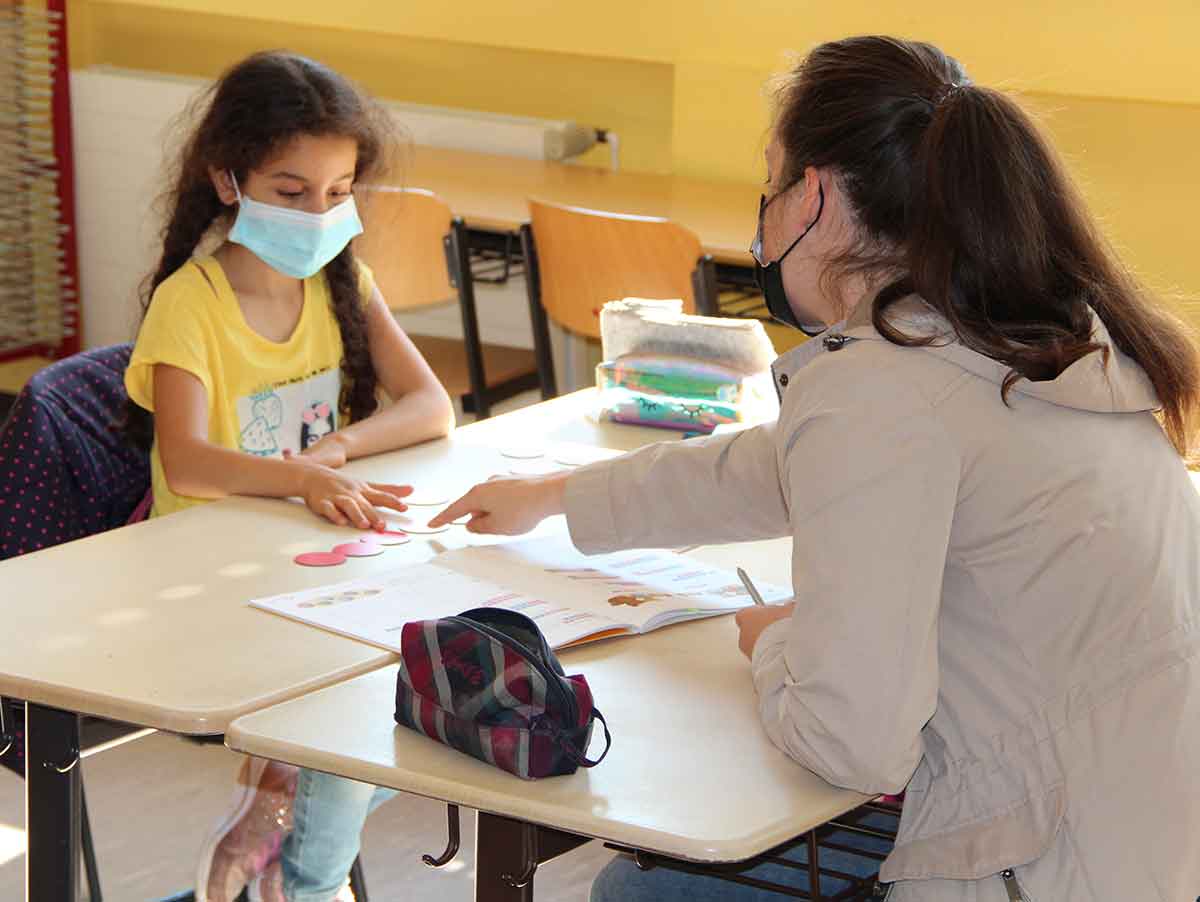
769, 277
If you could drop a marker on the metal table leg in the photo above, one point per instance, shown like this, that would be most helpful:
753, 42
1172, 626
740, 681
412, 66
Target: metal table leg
507, 854
52, 804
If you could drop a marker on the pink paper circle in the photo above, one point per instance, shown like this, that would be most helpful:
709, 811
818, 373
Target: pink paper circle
320, 559
390, 537
358, 549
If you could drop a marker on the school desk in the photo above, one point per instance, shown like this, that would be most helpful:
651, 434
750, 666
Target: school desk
691, 774
491, 192
149, 625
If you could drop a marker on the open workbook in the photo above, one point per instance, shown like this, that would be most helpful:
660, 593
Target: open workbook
572, 597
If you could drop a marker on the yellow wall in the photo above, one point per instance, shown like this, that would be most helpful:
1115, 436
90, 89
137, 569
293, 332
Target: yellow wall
446, 73
1143, 50
1139, 167
682, 80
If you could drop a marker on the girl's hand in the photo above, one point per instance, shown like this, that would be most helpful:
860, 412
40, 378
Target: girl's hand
506, 506
329, 451
346, 501
752, 621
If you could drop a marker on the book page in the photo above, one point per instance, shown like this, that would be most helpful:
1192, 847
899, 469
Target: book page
375, 608
571, 596
646, 588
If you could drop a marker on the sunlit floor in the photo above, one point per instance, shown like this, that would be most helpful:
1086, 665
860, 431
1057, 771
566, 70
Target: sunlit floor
153, 800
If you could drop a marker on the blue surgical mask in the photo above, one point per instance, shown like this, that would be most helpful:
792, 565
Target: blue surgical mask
296, 243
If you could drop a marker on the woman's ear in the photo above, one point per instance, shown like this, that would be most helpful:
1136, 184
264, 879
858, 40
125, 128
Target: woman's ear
223, 183
811, 195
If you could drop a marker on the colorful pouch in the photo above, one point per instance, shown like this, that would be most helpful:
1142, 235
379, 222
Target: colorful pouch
678, 393
486, 683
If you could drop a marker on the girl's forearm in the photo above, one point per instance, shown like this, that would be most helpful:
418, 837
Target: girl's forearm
200, 469
416, 417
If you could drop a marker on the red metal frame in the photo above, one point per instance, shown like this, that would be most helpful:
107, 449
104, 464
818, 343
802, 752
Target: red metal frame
64, 152
60, 105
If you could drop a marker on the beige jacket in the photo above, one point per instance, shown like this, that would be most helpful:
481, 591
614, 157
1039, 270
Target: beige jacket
996, 606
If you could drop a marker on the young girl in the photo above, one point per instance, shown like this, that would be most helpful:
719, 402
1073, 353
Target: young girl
261, 364
995, 543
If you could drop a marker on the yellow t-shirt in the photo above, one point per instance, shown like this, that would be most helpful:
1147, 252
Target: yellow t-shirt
263, 396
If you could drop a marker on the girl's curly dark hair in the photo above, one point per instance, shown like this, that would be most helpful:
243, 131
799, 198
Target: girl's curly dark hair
252, 112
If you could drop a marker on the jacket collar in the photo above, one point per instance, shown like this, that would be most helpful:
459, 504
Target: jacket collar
1113, 385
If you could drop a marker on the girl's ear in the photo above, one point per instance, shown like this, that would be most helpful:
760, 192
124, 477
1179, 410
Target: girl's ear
223, 183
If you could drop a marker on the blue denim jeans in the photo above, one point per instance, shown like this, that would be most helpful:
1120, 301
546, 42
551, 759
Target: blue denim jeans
328, 815
622, 880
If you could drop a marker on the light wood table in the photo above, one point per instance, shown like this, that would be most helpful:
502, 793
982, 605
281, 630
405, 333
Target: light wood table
148, 624
690, 775
491, 193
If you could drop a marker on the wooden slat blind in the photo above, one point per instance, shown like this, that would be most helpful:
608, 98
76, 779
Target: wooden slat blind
38, 297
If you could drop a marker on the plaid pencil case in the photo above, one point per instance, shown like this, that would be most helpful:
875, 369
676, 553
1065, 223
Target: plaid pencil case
486, 683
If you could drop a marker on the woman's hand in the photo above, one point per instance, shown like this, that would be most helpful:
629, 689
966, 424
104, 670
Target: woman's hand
346, 501
752, 621
329, 451
506, 506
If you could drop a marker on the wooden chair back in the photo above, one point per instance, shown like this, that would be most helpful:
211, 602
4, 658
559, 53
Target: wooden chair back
403, 230
586, 258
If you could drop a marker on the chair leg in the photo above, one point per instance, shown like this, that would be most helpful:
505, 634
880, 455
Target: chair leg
89, 851
358, 883
537, 316
704, 287
458, 259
